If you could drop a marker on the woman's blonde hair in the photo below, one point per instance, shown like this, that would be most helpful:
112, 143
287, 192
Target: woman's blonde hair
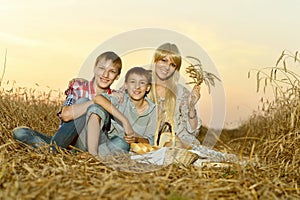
166, 49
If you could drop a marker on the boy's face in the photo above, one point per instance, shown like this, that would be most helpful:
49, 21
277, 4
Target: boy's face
105, 73
137, 86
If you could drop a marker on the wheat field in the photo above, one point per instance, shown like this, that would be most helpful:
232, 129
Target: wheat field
270, 139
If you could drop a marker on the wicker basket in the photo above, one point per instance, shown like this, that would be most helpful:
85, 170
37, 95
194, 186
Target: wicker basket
179, 156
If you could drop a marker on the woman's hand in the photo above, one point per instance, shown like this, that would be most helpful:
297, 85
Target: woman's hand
194, 97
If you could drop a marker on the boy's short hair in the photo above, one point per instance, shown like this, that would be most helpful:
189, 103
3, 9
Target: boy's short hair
140, 71
110, 55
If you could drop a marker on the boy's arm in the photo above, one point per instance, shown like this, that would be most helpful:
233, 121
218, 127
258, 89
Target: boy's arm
110, 108
71, 109
151, 127
74, 111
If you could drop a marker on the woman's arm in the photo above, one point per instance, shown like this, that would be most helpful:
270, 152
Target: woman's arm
186, 116
192, 113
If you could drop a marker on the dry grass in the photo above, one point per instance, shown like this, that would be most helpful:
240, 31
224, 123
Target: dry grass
27, 173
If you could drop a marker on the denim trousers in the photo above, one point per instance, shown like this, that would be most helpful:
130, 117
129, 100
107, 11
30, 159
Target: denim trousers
108, 145
64, 136
69, 132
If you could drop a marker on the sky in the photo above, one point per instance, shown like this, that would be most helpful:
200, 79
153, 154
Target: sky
47, 42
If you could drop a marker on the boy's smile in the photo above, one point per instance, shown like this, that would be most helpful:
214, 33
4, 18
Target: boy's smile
105, 73
137, 86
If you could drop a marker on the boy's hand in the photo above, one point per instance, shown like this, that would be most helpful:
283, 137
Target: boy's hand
129, 133
130, 139
119, 94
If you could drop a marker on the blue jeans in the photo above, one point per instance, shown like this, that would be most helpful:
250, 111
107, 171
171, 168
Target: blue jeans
107, 145
31, 137
69, 131
64, 136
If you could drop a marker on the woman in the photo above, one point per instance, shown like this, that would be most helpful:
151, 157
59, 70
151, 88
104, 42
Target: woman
175, 104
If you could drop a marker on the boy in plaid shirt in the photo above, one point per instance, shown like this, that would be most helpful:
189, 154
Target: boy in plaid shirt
80, 94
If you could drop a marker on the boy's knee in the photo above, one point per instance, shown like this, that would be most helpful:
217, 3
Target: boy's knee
95, 109
94, 116
104, 117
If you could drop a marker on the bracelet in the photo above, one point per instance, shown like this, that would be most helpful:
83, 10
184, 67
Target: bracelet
192, 117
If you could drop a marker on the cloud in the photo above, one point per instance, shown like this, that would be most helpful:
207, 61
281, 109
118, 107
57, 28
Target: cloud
6, 37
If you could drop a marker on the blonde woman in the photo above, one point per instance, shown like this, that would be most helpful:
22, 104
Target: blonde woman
175, 104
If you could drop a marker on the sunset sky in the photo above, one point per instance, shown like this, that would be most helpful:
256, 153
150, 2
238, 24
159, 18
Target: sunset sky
48, 41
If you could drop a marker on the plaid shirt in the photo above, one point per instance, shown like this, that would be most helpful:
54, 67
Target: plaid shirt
79, 88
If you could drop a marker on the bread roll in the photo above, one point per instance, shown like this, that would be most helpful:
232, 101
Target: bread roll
142, 148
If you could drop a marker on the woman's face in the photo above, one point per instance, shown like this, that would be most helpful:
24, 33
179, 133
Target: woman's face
165, 68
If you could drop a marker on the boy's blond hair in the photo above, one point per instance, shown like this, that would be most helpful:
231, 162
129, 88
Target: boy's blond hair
109, 55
